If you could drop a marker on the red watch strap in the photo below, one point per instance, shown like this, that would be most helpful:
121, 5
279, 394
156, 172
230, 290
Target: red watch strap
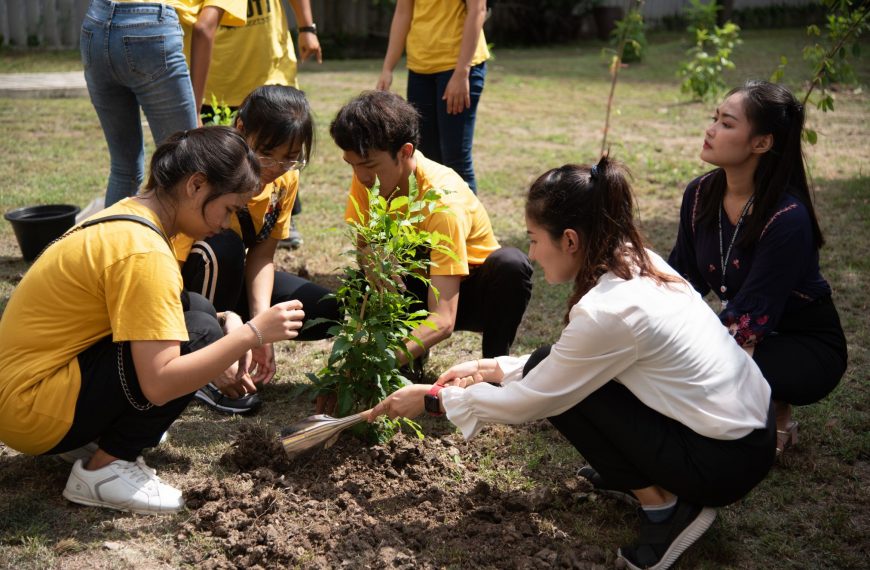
433, 391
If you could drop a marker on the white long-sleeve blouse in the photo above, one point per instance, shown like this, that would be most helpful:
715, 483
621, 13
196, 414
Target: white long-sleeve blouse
662, 342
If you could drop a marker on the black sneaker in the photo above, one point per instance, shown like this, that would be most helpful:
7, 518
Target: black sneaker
660, 544
212, 397
602, 488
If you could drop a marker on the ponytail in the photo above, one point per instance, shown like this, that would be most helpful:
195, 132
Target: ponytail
598, 204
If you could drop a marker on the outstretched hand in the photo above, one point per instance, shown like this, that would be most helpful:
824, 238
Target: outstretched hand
462, 375
405, 402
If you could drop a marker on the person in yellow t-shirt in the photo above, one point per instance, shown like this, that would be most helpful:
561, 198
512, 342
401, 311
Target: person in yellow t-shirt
446, 59
261, 53
235, 269
488, 287
102, 371
133, 57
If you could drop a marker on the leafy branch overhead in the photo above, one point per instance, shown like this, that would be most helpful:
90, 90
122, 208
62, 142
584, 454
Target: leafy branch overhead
830, 55
711, 53
379, 315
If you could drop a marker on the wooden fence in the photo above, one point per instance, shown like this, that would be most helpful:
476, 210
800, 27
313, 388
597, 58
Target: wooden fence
56, 23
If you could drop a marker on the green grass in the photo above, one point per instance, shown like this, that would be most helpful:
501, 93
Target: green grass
541, 108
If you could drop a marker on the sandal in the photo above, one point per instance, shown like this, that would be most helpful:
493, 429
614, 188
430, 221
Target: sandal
786, 438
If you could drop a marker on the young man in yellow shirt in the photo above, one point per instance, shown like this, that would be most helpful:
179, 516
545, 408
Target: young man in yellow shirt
487, 287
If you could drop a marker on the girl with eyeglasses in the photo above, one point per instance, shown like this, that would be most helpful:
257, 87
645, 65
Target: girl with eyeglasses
235, 269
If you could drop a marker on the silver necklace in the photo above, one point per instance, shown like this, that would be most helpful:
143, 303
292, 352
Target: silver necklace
724, 257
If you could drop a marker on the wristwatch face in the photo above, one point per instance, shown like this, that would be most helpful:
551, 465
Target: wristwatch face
431, 404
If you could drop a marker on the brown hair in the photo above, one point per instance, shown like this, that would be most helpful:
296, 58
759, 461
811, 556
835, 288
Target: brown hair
598, 204
219, 153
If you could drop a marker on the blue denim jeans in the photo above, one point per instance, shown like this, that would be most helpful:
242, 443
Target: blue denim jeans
133, 57
446, 138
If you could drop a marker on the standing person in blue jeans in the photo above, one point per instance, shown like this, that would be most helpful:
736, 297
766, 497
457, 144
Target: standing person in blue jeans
133, 56
447, 55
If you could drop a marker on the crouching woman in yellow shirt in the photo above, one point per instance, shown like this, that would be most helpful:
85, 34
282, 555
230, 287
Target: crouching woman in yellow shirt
99, 349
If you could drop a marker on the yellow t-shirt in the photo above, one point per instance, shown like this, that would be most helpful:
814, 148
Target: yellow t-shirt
235, 14
465, 221
433, 42
114, 278
270, 212
258, 53
188, 10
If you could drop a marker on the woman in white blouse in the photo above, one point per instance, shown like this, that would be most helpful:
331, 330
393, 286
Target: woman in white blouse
642, 380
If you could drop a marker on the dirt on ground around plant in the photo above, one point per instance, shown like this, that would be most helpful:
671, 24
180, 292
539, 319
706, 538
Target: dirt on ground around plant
409, 503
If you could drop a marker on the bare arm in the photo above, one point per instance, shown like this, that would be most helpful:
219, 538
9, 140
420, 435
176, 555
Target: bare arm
458, 93
201, 44
396, 46
259, 280
309, 44
443, 314
165, 374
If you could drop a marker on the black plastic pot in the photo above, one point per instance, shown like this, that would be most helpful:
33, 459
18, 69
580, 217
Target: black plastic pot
36, 226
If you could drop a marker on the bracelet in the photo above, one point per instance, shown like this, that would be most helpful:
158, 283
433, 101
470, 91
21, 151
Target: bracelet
256, 332
312, 29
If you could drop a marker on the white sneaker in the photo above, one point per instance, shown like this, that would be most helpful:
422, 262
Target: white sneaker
124, 486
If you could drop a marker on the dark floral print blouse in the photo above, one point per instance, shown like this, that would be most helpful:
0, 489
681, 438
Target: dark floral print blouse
776, 275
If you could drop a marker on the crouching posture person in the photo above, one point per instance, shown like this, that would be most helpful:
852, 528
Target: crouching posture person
641, 380
104, 375
486, 287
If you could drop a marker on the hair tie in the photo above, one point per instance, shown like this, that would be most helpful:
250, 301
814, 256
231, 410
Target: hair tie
593, 173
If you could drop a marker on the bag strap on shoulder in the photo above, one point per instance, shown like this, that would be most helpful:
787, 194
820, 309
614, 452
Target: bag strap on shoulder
113, 218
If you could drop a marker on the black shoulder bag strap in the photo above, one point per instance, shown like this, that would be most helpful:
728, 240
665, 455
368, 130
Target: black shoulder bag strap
114, 218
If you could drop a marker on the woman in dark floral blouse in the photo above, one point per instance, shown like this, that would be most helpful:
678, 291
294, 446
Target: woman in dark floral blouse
748, 232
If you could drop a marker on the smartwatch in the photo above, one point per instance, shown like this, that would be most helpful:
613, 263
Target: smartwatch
431, 403
312, 29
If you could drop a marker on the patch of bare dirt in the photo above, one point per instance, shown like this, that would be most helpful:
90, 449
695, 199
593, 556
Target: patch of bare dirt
377, 507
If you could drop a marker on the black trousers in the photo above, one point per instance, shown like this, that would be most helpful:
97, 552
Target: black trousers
492, 299
104, 413
804, 359
633, 446
215, 269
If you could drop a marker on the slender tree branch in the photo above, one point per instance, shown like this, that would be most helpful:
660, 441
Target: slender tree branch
614, 72
830, 55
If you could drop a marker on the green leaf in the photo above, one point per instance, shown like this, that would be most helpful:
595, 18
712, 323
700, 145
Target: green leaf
811, 136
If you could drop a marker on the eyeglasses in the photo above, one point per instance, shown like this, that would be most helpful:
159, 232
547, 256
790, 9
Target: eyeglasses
269, 162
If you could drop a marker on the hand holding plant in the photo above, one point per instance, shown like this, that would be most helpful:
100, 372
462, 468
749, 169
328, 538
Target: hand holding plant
380, 318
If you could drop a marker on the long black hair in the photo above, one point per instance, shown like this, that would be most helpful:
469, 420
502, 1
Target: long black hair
771, 109
273, 115
219, 153
597, 203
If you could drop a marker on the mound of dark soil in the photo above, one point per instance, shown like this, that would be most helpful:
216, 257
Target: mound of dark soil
383, 506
